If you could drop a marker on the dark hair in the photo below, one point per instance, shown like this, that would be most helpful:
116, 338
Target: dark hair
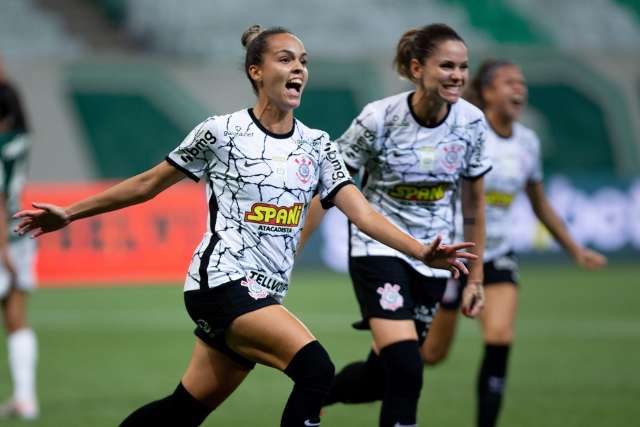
483, 78
254, 40
419, 43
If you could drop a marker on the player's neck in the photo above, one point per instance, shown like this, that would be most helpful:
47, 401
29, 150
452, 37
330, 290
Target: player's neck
273, 118
428, 109
500, 124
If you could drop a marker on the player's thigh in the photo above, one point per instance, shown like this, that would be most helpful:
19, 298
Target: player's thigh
390, 331
270, 335
441, 333
212, 375
499, 314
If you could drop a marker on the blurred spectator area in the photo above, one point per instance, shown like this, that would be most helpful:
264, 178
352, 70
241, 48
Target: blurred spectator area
107, 107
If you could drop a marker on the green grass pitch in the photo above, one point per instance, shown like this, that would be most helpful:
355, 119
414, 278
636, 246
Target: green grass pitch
105, 351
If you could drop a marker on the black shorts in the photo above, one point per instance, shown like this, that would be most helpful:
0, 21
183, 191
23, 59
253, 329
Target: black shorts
503, 269
389, 288
214, 309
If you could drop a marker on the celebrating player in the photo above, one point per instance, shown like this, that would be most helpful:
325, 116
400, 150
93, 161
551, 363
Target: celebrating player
262, 167
16, 257
499, 89
412, 149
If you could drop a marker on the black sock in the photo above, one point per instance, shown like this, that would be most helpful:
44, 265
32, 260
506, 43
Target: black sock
358, 382
402, 383
312, 371
491, 382
179, 409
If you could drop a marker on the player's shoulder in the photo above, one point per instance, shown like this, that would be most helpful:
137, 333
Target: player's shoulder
526, 136
307, 133
229, 123
384, 106
381, 111
467, 113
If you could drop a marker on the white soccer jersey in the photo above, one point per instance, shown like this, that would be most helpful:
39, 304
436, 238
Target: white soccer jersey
412, 171
516, 161
258, 187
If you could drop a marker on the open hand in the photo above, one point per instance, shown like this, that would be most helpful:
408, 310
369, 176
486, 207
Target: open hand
591, 260
447, 257
44, 219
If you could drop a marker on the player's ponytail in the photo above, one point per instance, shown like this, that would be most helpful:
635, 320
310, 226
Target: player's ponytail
254, 40
419, 44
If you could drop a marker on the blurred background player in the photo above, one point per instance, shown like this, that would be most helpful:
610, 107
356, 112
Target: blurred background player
499, 89
262, 168
413, 148
16, 256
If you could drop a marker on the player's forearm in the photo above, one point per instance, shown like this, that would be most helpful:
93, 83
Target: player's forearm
131, 191
473, 213
379, 228
353, 204
550, 219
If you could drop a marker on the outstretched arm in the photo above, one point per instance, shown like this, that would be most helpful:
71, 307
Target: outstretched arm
584, 257
134, 190
353, 204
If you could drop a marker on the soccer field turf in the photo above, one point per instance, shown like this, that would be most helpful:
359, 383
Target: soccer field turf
105, 351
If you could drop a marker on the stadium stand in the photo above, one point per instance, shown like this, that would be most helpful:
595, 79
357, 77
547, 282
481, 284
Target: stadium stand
28, 31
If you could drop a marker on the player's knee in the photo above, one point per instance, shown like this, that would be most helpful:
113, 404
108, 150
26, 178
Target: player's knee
312, 367
403, 367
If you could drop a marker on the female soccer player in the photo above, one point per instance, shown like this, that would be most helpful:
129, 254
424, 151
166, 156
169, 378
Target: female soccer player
17, 256
412, 148
262, 167
499, 89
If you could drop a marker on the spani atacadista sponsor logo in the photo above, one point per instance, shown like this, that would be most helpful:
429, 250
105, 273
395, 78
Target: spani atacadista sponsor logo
273, 217
419, 193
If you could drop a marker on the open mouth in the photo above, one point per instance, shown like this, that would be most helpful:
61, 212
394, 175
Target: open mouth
453, 89
517, 101
294, 86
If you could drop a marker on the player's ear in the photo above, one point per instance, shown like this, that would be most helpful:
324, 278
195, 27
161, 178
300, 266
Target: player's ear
415, 67
256, 73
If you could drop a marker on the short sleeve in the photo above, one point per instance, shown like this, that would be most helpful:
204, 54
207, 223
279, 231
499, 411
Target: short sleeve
333, 172
356, 144
194, 155
535, 174
478, 162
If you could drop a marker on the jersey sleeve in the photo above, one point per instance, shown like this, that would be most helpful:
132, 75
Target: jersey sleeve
478, 162
194, 155
333, 172
535, 174
357, 142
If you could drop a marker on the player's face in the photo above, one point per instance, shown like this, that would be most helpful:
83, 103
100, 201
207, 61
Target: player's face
283, 73
445, 72
507, 92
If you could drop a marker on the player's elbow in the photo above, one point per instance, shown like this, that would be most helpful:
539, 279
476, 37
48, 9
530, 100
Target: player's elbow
364, 219
434, 355
145, 188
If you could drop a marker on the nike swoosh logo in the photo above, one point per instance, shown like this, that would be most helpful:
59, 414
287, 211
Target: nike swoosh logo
309, 423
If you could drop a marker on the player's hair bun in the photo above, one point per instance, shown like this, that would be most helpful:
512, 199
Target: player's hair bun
250, 34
